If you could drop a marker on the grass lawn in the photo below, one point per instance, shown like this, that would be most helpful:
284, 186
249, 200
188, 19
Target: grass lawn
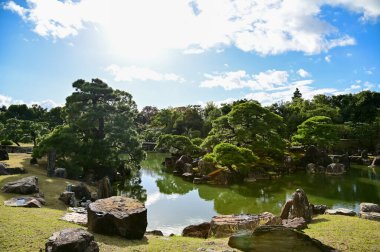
27, 229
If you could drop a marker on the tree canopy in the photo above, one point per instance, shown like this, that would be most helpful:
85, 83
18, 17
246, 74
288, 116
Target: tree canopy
101, 126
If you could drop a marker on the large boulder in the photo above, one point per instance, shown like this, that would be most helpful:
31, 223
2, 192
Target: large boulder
118, 215
335, 169
4, 155
297, 206
276, 238
71, 240
226, 225
26, 185
198, 231
340, 211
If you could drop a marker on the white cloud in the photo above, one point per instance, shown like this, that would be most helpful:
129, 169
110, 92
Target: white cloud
328, 58
267, 98
133, 73
48, 104
303, 73
368, 86
5, 100
240, 79
149, 26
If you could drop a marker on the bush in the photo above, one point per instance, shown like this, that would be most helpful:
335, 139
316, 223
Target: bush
6, 142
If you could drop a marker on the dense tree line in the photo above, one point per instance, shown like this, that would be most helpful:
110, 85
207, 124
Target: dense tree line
98, 121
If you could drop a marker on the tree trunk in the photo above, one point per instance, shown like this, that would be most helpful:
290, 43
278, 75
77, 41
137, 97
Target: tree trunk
51, 163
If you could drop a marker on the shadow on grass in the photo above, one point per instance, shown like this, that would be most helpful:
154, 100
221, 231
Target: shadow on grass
119, 241
314, 221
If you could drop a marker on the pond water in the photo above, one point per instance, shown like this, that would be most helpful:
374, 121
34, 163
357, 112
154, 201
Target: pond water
173, 203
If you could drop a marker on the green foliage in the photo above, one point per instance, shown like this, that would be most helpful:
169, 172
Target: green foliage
176, 144
249, 125
101, 125
197, 141
318, 131
6, 142
238, 159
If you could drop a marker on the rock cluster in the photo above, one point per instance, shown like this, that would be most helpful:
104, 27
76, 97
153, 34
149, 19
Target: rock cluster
369, 211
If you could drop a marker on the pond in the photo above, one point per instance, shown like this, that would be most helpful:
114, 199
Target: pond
173, 203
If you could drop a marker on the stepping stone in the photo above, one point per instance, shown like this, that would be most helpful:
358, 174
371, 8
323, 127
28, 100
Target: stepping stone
341, 211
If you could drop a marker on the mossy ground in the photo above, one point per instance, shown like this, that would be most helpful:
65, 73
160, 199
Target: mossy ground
27, 229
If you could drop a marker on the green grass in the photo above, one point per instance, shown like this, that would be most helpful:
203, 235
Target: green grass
27, 229
346, 233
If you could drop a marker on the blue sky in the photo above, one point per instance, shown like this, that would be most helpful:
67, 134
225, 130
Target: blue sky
174, 52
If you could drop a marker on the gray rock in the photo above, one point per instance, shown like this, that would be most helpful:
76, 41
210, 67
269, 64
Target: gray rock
26, 185
66, 196
313, 168
370, 216
4, 155
155, 232
60, 173
340, 211
198, 231
276, 238
77, 218
188, 176
226, 225
118, 215
296, 223
25, 202
71, 240
335, 169
297, 206
104, 188
369, 207
319, 209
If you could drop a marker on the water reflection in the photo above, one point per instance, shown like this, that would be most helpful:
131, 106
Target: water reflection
174, 203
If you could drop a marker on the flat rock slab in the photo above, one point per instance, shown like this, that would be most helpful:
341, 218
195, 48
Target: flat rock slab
118, 215
26, 185
25, 202
77, 218
276, 238
226, 225
370, 215
73, 240
369, 207
297, 223
341, 211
